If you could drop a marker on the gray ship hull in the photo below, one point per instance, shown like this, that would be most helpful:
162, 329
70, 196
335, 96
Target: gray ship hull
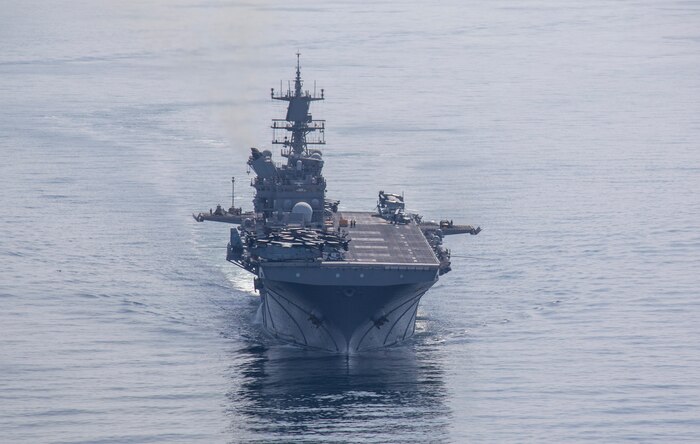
341, 319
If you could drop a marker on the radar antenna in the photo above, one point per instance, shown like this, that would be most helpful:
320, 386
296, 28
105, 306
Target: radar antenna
298, 121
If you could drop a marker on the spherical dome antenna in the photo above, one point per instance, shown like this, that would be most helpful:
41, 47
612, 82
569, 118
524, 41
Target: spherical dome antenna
304, 209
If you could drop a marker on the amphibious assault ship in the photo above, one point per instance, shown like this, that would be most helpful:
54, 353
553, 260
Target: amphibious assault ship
341, 281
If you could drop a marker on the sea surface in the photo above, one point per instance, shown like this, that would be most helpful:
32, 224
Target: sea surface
568, 130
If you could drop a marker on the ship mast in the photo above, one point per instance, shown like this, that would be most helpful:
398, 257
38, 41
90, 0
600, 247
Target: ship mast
298, 123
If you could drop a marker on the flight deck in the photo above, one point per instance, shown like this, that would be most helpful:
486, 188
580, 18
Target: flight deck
374, 239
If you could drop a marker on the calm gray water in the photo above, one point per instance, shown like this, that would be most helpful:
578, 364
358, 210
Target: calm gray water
568, 130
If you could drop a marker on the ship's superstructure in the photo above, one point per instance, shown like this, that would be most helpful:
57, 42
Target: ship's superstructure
329, 279
279, 188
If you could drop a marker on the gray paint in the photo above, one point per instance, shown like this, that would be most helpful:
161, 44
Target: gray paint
337, 281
